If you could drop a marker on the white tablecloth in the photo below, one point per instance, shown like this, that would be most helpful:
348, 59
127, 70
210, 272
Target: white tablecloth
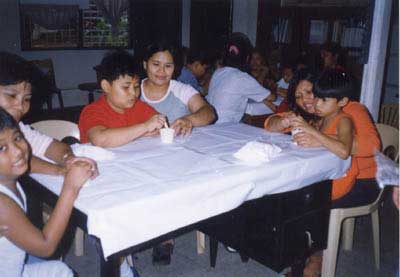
151, 188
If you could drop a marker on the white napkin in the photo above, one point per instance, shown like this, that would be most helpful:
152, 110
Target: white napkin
93, 152
257, 152
387, 171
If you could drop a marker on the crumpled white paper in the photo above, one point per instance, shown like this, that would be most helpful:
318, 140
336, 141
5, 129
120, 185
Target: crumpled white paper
387, 172
257, 152
93, 152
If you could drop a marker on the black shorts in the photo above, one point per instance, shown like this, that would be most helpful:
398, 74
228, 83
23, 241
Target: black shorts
364, 192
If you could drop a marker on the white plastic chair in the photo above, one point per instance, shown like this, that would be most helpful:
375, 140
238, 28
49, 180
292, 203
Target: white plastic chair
60, 129
389, 138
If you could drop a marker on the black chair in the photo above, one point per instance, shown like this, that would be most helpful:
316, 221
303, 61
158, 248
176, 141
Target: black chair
45, 82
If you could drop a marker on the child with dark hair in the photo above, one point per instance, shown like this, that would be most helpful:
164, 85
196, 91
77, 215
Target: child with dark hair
18, 235
231, 87
196, 65
15, 97
333, 90
118, 117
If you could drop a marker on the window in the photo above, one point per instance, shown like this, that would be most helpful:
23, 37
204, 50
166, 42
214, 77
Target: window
318, 31
68, 27
281, 30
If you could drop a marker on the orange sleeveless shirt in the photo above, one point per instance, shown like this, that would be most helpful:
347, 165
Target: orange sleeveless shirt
343, 185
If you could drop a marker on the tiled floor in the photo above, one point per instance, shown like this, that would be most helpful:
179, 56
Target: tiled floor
185, 261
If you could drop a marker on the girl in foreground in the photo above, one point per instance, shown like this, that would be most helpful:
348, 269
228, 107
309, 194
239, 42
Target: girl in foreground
18, 234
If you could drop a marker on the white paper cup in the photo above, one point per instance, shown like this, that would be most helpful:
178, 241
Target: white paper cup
167, 135
296, 131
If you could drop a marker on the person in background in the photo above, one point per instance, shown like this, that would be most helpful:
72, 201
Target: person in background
193, 71
259, 67
231, 87
182, 105
118, 116
283, 83
215, 57
332, 56
18, 234
15, 96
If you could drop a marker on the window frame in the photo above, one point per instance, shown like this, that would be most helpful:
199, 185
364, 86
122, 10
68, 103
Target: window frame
25, 47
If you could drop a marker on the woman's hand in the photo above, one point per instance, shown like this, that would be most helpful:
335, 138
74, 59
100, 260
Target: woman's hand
182, 126
286, 119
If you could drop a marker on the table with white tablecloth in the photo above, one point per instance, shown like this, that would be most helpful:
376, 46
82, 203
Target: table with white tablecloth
151, 188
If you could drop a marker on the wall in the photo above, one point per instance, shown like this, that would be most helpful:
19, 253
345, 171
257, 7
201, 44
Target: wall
391, 89
244, 18
9, 26
73, 67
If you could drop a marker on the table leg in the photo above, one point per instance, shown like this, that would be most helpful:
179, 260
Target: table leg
243, 257
109, 268
213, 251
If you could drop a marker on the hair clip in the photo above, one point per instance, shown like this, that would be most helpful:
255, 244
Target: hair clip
233, 49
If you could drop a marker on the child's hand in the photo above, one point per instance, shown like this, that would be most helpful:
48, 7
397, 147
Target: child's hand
153, 133
182, 126
93, 164
306, 140
78, 173
156, 122
299, 122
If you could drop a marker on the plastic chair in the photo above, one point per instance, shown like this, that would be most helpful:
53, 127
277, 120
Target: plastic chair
47, 69
389, 115
59, 129
390, 139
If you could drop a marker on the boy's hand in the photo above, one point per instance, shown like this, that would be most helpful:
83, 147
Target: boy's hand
156, 122
306, 140
77, 175
182, 126
299, 122
153, 133
93, 164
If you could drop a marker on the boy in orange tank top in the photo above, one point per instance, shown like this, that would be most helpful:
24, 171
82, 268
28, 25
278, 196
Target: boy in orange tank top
335, 131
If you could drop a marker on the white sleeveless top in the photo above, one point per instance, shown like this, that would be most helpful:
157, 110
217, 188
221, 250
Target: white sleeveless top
12, 257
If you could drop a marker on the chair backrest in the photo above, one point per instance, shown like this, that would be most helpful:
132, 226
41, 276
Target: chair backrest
57, 129
389, 115
390, 140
